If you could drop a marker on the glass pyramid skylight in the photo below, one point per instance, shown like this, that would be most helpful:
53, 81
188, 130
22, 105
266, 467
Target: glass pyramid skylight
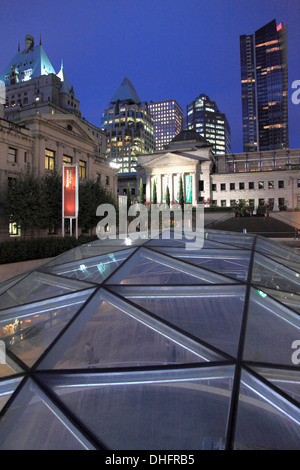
149, 345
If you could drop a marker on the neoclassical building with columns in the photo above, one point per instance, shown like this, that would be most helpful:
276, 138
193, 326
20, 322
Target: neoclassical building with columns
271, 177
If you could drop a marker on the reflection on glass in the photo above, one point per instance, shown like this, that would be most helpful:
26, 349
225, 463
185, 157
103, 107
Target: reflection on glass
95, 269
37, 286
152, 410
29, 330
210, 313
264, 419
40, 426
270, 331
149, 267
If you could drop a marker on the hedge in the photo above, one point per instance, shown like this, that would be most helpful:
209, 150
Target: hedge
14, 251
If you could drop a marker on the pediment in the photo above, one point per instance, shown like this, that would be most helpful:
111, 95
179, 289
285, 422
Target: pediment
70, 124
172, 158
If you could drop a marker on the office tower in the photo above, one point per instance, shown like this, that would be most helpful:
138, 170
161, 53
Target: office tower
167, 116
204, 117
264, 86
129, 128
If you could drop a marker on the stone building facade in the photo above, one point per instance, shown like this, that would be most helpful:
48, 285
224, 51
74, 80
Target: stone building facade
45, 142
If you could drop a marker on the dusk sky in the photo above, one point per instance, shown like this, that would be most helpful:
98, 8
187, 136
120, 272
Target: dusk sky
169, 49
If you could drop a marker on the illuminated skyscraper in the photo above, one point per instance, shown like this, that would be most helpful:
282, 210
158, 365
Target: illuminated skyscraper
264, 84
167, 116
129, 128
204, 117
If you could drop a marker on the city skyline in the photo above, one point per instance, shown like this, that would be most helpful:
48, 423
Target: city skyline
169, 50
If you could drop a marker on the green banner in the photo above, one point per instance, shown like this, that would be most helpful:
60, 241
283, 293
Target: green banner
188, 189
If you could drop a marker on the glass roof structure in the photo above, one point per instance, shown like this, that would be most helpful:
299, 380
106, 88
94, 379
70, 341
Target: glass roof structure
149, 345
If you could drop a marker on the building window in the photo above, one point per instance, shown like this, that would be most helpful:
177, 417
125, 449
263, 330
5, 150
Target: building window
82, 169
214, 187
242, 186
201, 185
49, 160
252, 203
67, 159
261, 185
223, 187
223, 203
271, 184
232, 202
251, 184
261, 202
12, 155
298, 183
232, 186
281, 201
14, 230
281, 184
107, 180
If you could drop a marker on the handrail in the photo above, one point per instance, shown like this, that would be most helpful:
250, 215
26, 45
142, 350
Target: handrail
286, 220
226, 216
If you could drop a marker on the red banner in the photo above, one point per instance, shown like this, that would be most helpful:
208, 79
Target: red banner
70, 191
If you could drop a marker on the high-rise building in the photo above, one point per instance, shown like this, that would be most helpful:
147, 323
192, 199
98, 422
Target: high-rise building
129, 128
205, 118
167, 116
264, 84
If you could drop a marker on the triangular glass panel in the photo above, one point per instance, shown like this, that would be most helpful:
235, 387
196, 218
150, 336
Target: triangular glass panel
265, 420
278, 252
177, 240
8, 365
28, 330
211, 313
38, 286
232, 263
273, 275
147, 267
93, 249
7, 284
289, 299
287, 380
109, 332
270, 331
7, 388
33, 422
164, 409
242, 240
95, 269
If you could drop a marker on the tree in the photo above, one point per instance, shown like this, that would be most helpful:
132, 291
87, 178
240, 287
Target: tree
23, 203
181, 196
52, 201
91, 195
154, 193
141, 192
167, 195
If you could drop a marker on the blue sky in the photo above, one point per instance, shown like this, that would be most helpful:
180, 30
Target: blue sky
169, 49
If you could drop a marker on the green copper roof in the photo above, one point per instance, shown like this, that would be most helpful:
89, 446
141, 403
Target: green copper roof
29, 64
126, 92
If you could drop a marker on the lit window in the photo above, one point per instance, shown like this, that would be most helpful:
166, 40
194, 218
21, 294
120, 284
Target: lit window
14, 230
67, 159
82, 169
49, 160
